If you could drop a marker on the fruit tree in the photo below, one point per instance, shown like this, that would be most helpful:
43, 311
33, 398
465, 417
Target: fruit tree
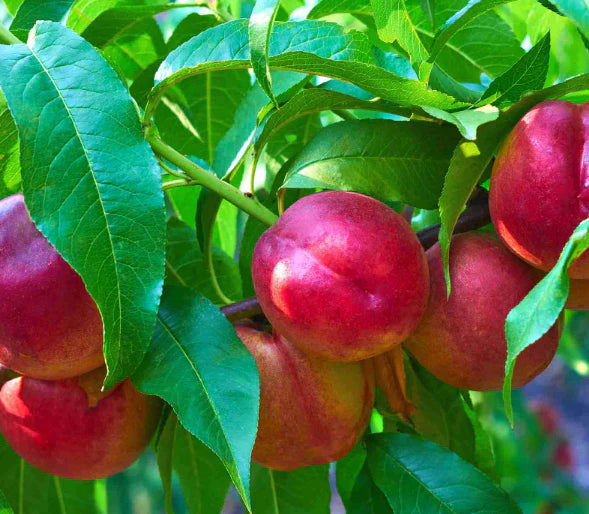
285, 253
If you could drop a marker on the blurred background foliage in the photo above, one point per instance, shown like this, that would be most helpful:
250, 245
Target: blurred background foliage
544, 461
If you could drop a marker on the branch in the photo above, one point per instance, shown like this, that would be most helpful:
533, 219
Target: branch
476, 215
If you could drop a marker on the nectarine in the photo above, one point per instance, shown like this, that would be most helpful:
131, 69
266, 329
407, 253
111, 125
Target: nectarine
69, 428
462, 340
341, 275
312, 411
540, 184
50, 327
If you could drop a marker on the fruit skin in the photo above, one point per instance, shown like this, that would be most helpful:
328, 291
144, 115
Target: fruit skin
540, 184
341, 275
462, 340
70, 429
50, 327
312, 411
578, 299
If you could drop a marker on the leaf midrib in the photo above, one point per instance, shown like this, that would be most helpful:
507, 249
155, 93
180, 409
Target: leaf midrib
91, 170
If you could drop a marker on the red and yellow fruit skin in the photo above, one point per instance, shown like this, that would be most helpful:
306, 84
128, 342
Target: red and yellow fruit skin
462, 340
312, 411
578, 299
341, 275
540, 184
70, 429
50, 327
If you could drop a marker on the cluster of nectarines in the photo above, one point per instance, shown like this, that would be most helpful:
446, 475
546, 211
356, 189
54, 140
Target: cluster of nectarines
54, 414
342, 278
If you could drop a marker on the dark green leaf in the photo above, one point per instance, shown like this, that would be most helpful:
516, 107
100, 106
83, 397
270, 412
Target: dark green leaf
12, 5
527, 74
29, 491
419, 476
441, 415
538, 311
302, 491
392, 161
199, 366
394, 24
260, 28
4, 507
328, 7
347, 471
9, 152
32, 10
185, 264
328, 52
311, 101
91, 182
366, 497
165, 459
203, 479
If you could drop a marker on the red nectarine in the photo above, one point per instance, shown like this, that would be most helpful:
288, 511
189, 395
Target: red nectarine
312, 411
540, 184
462, 340
69, 428
50, 327
341, 275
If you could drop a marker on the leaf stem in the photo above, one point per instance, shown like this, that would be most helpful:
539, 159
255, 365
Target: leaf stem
181, 182
7, 37
210, 181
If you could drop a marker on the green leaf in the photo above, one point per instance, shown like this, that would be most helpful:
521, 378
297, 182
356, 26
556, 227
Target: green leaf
203, 478
90, 181
302, 491
190, 26
468, 121
129, 37
366, 497
539, 310
394, 24
577, 11
312, 47
471, 159
527, 74
347, 471
311, 101
441, 415
419, 476
485, 45
9, 152
12, 5
4, 506
199, 366
83, 12
234, 145
185, 265
328, 7
32, 10
30, 491
260, 28
473, 9
165, 460
390, 160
